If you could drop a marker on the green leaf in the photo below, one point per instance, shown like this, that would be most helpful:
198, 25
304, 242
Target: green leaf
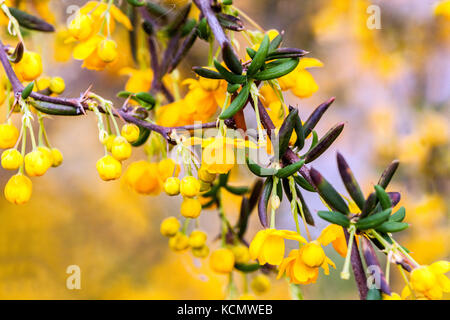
31, 22
374, 220
328, 193
237, 190
231, 60
144, 133
298, 127
251, 53
399, 215
247, 267
392, 226
264, 200
388, 174
260, 56
277, 71
55, 109
324, 143
315, 117
232, 88
275, 43
188, 26
237, 104
27, 90
290, 169
302, 182
286, 130
124, 94
145, 97
350, 182
374, 294
207, 73
204, 32
383, 197
335, 218
258, 170
136, 3
229, 76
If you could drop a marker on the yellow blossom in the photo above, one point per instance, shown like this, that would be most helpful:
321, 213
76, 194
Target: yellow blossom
109, 168
300, 81
443, 9
222, 260
268, 245
143, 177
18, 189
431, 280
139, 80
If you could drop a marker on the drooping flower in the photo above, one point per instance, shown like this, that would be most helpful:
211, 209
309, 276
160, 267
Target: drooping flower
139, 80
334, 234
268, 245
302, 265
431, 280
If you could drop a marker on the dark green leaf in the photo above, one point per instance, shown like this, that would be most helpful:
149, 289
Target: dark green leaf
27, 90
350, 182
290, 169
392, 226
260, 56
281, 69
231, 60
335, 218
237, 104
264, 200
302, 182
399, 215
229, 76
207, 73
31, 22
383, 197
315, 117
324, 143
374, 220
388, 174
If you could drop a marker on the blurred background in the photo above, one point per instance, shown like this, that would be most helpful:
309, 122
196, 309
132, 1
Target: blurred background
392, 89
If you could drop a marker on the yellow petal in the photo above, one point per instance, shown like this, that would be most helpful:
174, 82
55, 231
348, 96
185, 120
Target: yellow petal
290, 235
256, 244
85, 48
309, 63
121, 17
444, 282
273, 250
305, 85
440, 267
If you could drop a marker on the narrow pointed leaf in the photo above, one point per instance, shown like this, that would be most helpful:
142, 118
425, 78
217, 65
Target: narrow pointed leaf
31, 22
17, 55
27, 90
290, 169
308, 216
302, 182
230, 58
260, 56
258, 170
275, 43
207, 73
315, 117
229, 76
383, 197
281, 69
324, 143
392, 226
350, 183
374, 220
298, 127
264, 200
237, 104
399, 215
328, 193
335, 218
286, 130
388, 174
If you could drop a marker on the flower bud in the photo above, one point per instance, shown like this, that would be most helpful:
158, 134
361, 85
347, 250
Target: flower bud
30, 67
18, 189
191, 208
313, 255
170, 226
37, 163
108, 142
57, 157
260, 284
8, 135
172, 186
57, 85
222, 261
241, 253
205, 176
130, 132
121, 148
197, 239
190, 187
107, 50
109, 168
179, 242
275, 202
11, 159
201, 252
81, 27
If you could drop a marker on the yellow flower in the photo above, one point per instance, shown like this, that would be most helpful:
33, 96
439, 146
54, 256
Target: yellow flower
107, 50
191, 208
8, 135
204, 97
268, 245
30, 67
170, 226
218, 156
241, 253
168, 168
57, 85
109, 168
431, 281
301, 266
205, 176
334, 234
222, 260
11, 159
143, 177
98, 11
260, 284
172, 186
179, 242
130, 132
197, 239
201, 252
121, 148
300, 81
81, 27
57, 157
173, 114
18, 189
139, 80
190, 187
393, 296
37, 163
443, 9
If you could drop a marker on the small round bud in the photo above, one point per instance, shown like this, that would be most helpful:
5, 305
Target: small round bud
8, 135
121, 148
191, 208
222, 261
179, 242
201, 252
37, 163
241, 253
130, 132
57, 85
30, 67
170, 226
107, 50
57, 157
81, 27
275, 202
197, 239
205, 176
313, 255
109, 168
260, 284
190, 187
172, 186
18, 189
11, 159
